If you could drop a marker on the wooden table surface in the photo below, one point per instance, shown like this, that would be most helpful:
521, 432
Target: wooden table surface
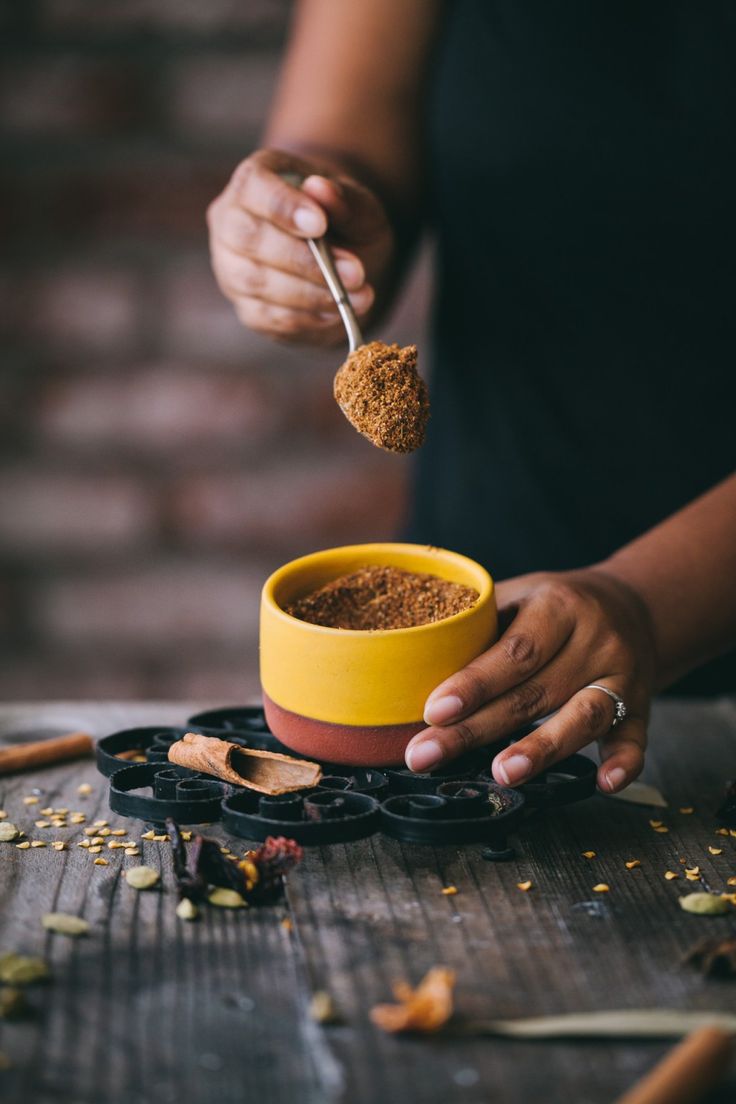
149, 1009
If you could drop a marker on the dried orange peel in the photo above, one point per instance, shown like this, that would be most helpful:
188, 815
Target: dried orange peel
425, 1009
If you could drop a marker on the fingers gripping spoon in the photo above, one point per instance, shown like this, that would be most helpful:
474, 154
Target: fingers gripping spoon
323, 256
377, 388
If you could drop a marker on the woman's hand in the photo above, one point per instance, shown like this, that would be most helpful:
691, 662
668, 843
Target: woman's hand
561, 632
258, 226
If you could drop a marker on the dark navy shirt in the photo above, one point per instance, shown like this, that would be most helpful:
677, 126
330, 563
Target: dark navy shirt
583, 174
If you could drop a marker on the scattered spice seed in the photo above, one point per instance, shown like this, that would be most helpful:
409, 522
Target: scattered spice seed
693, 870
670, 875
59, 845
64, 924
12, 1004
662, 829
322, 1008
38, 843
42, 823
731, 881
186, 836
8, 832
692, 877
162, 838
101, 862
187, 910
132, 851
30, 801
47, 811
715, 850
18, 969
687, 810
118, 832
105, 832
226, 898
113, 845
23, 846
77, 818
449, 891
142, 877
100, 823
655, 823
524, 886
601, 888
286, 924
84, 789
589, 854
95, 850
96, 841
83, 843
632, 865
705, 904
61, 812
721, 831
148, 835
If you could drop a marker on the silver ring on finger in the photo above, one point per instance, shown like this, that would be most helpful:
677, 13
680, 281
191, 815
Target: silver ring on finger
619, 703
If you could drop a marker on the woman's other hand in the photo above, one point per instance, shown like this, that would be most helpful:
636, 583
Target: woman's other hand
561, 632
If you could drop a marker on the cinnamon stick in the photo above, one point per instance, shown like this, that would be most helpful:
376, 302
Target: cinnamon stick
41, 753
687, 1072
268, 772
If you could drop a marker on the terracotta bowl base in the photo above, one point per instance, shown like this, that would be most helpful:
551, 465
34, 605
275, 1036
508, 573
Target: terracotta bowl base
352, 745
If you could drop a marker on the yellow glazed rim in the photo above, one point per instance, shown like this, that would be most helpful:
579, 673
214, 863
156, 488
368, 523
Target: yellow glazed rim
351, 677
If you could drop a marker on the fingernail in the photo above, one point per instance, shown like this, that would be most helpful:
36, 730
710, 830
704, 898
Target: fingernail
351, 273
424, 756
439, 711
309, 222
615, 778
515, 769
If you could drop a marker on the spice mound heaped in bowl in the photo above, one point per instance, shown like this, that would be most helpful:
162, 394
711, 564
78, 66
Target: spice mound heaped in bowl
374, 598
352, 696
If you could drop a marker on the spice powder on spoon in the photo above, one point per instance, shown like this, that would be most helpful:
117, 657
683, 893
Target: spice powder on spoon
381, 394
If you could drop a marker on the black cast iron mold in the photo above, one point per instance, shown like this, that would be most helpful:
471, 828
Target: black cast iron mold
445, 807
310, 817
187, 796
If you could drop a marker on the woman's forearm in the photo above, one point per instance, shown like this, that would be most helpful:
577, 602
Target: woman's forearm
352, 91
684, 570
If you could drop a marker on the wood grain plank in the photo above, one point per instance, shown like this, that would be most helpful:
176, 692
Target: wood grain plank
149, 1008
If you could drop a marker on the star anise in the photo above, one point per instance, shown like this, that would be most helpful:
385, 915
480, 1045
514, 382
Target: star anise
259, 878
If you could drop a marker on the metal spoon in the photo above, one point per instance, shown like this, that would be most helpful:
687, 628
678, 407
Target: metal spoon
323, 256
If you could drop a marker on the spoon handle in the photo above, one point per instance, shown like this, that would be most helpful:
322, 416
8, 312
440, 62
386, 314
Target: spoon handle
323, 257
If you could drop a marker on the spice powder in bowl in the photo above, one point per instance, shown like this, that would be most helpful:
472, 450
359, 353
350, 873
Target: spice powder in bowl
380, 392
373, 598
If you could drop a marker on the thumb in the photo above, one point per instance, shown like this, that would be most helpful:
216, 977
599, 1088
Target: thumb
355, 214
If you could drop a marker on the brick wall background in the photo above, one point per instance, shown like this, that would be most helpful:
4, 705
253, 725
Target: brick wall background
157, 459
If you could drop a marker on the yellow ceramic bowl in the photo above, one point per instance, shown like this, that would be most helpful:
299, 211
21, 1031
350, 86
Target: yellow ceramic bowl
345, 696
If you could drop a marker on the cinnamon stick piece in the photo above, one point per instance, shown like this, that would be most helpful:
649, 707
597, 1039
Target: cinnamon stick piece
268, 772
687, 1072
40, 753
